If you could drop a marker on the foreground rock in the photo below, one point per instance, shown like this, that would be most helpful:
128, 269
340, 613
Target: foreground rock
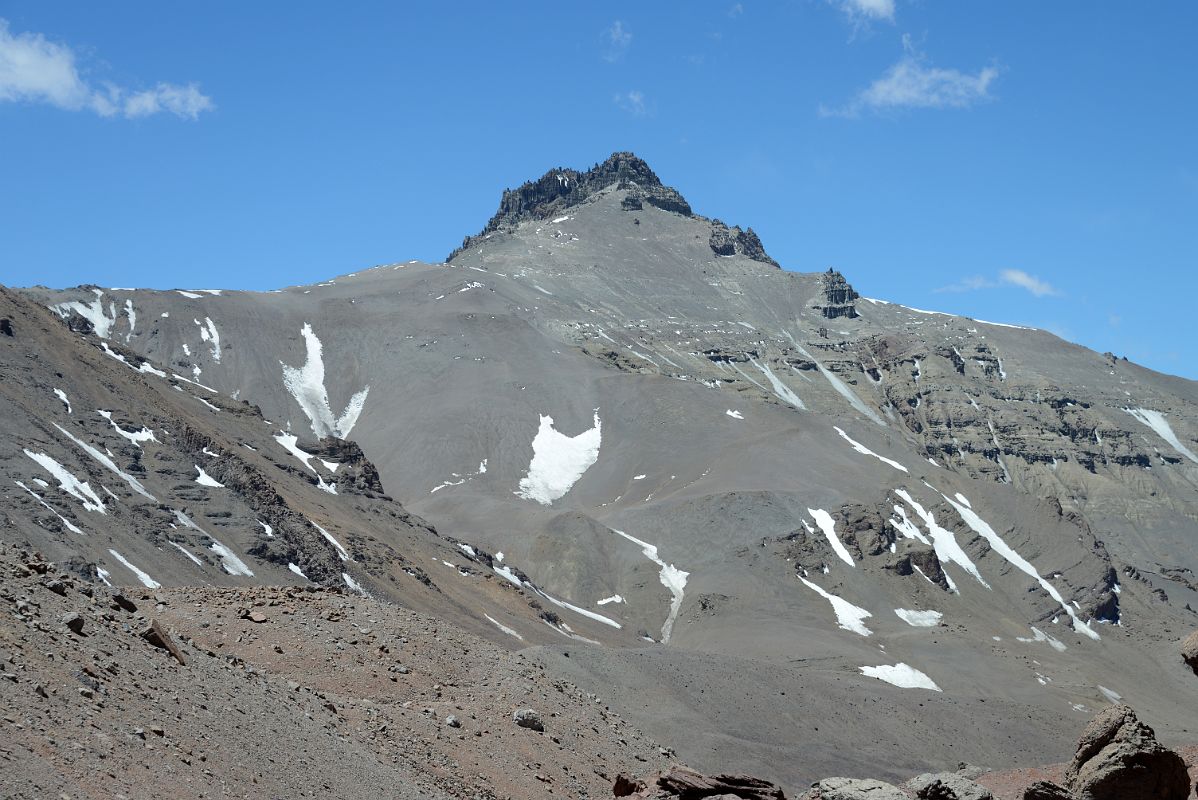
1119, 758
1189, 651
686, 784
947, 786
854, 789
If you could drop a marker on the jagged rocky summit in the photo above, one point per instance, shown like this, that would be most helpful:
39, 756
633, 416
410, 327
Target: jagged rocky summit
563, 188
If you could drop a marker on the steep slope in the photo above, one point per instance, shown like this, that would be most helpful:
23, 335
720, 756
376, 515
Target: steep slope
780, 481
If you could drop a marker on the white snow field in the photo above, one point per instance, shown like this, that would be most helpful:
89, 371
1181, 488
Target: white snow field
901, 675
558, 461
306, 385
848, 616
1156, 420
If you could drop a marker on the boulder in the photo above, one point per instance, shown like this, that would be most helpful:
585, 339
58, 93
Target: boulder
947, 786
527, 718
1189, 651
73, 622
682, 783
157, 636
855, 789
1119, 758
1045, 790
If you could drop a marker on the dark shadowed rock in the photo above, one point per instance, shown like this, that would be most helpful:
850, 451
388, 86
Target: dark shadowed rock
947, 786
157, 636
73, 622
682, 783
1045, 790
559, 189
838, 297
1119, 758
527, 718
727, 241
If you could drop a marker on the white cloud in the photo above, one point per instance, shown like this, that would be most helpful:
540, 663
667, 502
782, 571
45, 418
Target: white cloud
1007, 278
632, 101
913, 83
1017, 277
617, 39
864, 10
36, 70
736, 10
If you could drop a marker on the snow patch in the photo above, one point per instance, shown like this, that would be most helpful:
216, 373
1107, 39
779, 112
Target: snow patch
828, 525
901, 675
558, 461
1040, 636
76, 488
145, 579
1156, 420
944, 541
848, 616
306, 385
997, 544
919, 619
205, 479
860, 448
734, 414
61, 395
783, 391
503, 627
93, 312
136, 437
228, 559
341, 551
69, 525
670, 576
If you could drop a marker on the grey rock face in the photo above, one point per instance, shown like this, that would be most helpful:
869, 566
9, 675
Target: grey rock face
727, 241
563, 188
947, 786
528, 718
839, 297
856, 789
1119, 758
1189, 651
682, 783
1046, 790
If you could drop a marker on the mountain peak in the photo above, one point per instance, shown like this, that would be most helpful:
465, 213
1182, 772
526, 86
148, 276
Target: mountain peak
562, 188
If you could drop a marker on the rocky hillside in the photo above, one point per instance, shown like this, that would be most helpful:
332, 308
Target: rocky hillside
761, 512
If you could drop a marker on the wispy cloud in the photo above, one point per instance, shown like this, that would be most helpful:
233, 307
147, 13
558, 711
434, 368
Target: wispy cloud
1017, 277
859, 11
736, 10
34, 69
1007, 278
616, 41
914, 83
632, 101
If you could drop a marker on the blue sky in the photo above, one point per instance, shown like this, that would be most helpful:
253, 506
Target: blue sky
1025, 162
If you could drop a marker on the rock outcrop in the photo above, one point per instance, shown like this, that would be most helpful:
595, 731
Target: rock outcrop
1045, 790
854, 789
839, 297
681, 783
559, 189
947, 786
733, 241
1119, 758
1189, 651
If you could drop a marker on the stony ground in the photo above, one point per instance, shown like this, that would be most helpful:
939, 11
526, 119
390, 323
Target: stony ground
285, 692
